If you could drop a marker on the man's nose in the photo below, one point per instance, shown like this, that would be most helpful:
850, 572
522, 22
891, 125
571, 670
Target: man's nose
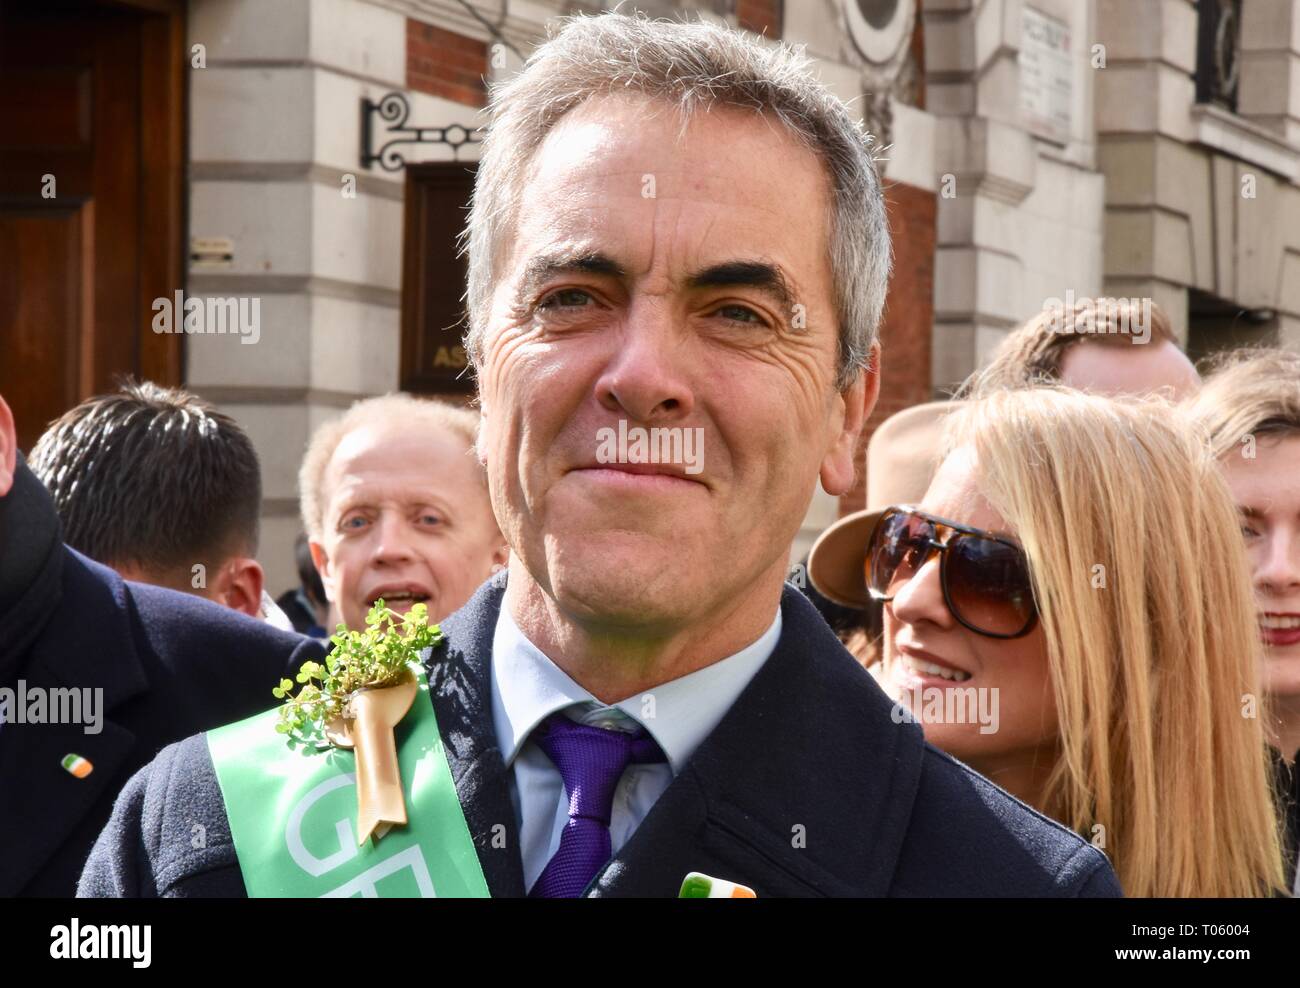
920, 599
1280, 572
647, 379
392, 539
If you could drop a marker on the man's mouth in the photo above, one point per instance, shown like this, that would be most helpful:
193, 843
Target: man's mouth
399, 598
635, 476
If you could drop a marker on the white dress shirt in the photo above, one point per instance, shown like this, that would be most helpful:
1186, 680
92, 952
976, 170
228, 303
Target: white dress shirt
527, 687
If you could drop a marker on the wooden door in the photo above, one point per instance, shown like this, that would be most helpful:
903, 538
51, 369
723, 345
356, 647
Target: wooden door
91, 221
433, 279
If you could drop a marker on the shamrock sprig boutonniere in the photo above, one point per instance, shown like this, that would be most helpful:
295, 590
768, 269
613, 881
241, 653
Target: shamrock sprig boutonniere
377, 657
356, 699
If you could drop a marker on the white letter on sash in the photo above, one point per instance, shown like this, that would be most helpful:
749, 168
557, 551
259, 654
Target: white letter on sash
305, 860
365, 882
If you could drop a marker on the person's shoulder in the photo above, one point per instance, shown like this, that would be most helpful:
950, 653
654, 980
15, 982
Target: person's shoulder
168, 835
171, 618
172, 622
968, 836
237, 659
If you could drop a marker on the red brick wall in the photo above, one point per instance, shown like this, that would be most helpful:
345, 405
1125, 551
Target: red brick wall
445, 64
909, 318
760, 16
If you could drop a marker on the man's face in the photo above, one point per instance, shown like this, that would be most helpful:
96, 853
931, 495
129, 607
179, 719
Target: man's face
407, 519
1129, 369
653, 280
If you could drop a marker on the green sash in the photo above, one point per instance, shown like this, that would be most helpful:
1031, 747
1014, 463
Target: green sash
293, 811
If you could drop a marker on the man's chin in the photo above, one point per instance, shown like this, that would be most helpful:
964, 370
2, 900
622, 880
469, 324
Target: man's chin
646, 590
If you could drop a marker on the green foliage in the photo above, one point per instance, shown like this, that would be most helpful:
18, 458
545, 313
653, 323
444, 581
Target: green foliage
376, 657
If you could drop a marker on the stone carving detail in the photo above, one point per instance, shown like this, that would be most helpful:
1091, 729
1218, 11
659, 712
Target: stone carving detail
878, 39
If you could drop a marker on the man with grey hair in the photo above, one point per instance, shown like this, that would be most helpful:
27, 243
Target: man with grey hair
677, 246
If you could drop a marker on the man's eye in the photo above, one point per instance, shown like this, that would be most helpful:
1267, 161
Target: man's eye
739, 313
565, 298
354, 522
430, 519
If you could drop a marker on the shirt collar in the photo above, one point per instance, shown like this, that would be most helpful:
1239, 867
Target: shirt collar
527, 687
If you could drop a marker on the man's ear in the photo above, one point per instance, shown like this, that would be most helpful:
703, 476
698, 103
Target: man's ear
501, 555
239, 586
8, 448
854, 406
321, 560
319, 556
480, 444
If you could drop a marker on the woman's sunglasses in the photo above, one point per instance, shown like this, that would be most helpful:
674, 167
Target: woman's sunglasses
985, 577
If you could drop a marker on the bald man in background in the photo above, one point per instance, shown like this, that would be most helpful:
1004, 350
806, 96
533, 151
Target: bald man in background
1106, 346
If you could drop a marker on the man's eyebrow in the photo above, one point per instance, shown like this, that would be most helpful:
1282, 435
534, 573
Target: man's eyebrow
543, 267
752, 274
373, 497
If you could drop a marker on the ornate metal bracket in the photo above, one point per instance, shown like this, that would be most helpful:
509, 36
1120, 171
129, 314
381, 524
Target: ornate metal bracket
393, 109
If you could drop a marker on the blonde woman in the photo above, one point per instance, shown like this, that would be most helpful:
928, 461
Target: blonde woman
1251, 410
1075, 566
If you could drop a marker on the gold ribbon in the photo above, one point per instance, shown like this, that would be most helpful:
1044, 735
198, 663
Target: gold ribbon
366, 726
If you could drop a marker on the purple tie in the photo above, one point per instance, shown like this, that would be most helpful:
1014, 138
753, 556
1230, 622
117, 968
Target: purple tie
591, 760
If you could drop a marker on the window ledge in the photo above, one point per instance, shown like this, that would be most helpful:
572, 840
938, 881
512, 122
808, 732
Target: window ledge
1227, 132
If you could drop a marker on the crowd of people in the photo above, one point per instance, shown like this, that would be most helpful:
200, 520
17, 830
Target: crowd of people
1099, 621
1058, 654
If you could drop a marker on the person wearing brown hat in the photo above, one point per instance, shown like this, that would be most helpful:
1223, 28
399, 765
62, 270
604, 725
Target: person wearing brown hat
901, 458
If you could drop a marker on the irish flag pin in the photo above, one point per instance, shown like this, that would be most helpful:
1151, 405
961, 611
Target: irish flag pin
698, 886
77, 766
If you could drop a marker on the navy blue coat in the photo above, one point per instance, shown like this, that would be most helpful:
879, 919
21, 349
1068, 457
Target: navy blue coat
169, 663
808, 749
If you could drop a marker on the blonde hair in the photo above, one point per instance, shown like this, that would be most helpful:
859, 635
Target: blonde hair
415, 413
1032, 355
1250, 392
1144, 595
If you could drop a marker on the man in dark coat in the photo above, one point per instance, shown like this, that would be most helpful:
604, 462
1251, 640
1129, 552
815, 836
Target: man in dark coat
672, 317
146, 666
780, 797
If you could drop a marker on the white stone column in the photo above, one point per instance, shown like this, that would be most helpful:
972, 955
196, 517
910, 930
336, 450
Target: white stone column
1020, 207
274, 167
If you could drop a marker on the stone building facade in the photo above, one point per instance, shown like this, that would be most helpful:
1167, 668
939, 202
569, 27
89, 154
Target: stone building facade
275, 132
1202, 206
1030, 148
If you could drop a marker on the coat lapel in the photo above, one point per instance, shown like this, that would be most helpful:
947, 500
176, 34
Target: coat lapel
41, 803
805, 787
460, 686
